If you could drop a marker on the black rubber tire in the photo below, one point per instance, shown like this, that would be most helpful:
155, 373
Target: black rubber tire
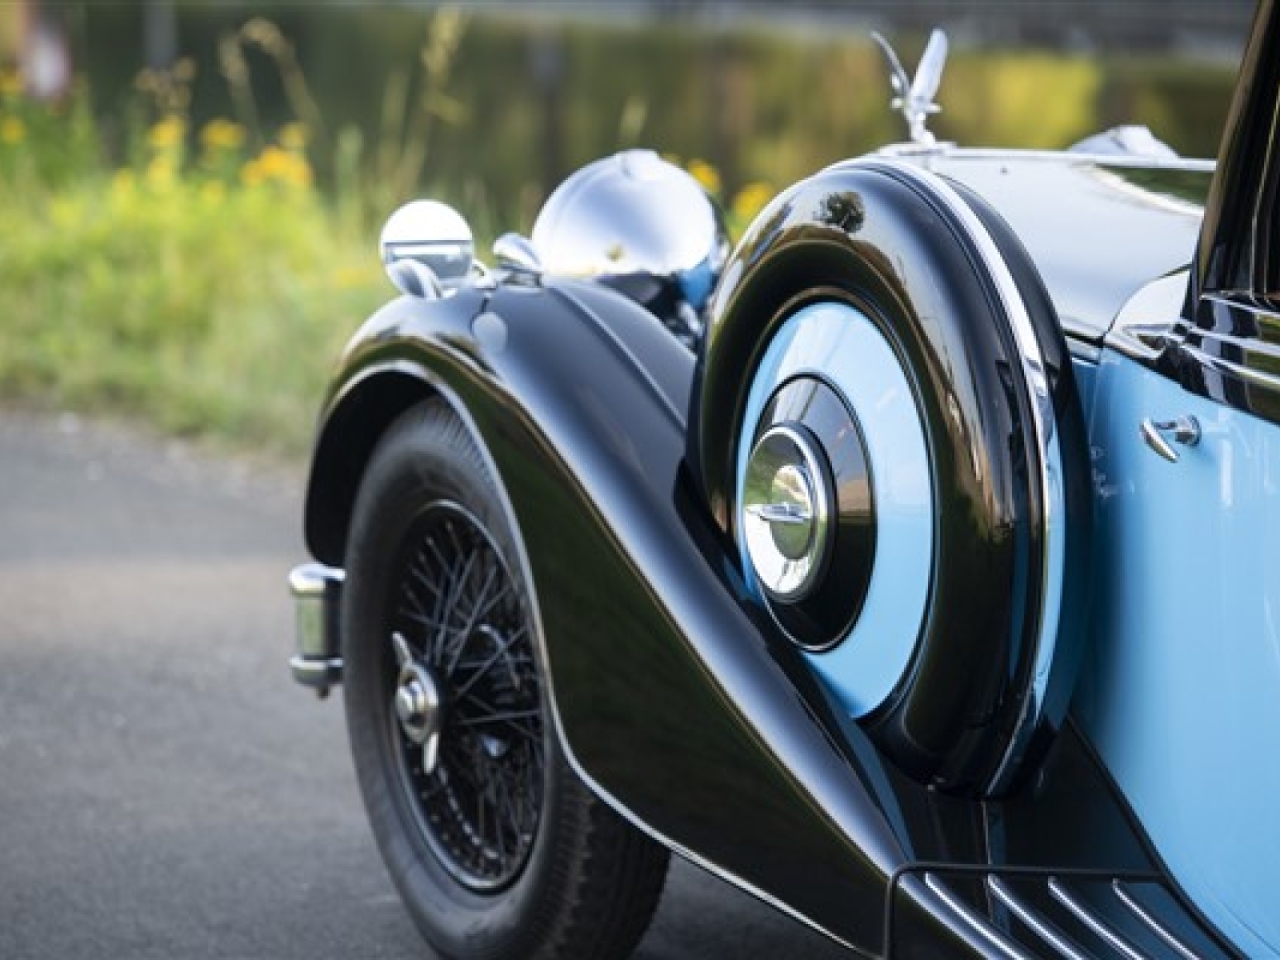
591, 881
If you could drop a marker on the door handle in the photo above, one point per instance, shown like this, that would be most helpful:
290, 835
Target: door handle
1158, 433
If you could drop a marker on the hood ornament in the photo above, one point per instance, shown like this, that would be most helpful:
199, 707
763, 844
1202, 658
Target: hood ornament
914, 98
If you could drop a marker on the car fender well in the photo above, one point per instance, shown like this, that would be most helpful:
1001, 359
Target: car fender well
348, 436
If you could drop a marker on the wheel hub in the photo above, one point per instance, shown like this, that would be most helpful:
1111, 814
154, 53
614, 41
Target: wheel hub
807, 520
418, 704
787, 511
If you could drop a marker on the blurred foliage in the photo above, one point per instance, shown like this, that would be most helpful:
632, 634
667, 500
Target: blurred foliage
194, 244
201, 285
490, 112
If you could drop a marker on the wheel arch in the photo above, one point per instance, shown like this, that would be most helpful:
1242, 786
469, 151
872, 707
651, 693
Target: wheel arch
354, 422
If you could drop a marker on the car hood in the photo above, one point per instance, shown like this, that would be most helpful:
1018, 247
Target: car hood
1098, 227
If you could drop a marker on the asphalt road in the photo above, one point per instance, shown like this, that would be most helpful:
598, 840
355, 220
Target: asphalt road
165, 790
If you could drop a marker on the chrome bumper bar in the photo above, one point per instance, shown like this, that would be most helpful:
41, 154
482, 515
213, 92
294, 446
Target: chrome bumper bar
317, 596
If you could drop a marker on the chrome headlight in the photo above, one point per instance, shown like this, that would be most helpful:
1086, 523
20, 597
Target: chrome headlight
633, 214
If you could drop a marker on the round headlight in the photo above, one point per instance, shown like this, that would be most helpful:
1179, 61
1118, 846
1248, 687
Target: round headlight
629, 214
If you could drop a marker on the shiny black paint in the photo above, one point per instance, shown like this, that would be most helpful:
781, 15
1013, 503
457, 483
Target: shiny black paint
678, 700
863, 235
1239, 249
377, 380
676, 695
590, 453
1230, 350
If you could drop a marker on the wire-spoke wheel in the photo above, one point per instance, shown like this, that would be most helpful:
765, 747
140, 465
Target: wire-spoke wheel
472, 750
496, 847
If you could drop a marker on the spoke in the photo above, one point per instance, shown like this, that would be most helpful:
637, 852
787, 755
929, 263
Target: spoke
423, 575
444, 600
470, 624
511, 805
422, 618
455, 588
480, 779
475, 678
507, 717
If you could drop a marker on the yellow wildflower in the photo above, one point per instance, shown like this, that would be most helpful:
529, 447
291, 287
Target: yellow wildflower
283, 167
12, 130
750, 200
279, 166
213, 192
705, 174
252, 174
302, 175
168, 133
161, 174
293, 136
222, 134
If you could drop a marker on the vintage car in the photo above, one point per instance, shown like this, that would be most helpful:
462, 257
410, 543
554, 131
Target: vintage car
905, 566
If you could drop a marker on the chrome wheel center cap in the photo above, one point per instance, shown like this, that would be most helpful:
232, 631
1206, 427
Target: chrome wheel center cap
786, 511
417, 704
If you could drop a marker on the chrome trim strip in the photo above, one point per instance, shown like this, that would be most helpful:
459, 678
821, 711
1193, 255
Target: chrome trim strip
1045, 930
1081, 913
975, 921
1259, 347
1240, 372
1151, 318
1083, 350
1141, 912
950, 151
1044, 427
1252, 344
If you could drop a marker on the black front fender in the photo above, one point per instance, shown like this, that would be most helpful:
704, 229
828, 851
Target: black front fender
674, 699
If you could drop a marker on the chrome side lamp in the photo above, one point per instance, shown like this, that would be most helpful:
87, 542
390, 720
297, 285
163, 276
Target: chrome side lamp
427, 249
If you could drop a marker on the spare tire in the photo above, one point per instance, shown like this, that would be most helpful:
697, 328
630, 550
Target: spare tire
903, 465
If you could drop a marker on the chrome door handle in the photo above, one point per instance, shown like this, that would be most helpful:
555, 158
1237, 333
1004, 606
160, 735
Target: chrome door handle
1157, 433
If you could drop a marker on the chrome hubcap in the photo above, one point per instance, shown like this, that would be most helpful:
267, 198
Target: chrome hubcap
786, 511
417, 704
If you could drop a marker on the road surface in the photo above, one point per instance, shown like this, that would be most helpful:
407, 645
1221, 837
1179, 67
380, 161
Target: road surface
165, 790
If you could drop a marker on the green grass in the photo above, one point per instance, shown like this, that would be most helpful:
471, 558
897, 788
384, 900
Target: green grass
209, 295
207, 310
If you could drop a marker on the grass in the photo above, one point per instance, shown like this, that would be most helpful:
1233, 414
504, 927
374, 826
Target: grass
202, 281
196, 284
208, 306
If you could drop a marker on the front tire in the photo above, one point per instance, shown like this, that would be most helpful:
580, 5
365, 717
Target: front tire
496, 847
